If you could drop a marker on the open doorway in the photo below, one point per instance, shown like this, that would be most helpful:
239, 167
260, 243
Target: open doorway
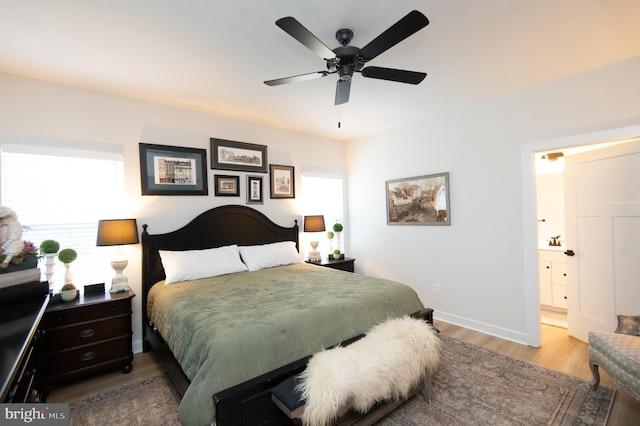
550, 215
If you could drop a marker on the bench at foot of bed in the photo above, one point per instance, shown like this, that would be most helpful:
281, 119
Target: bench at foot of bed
362, 382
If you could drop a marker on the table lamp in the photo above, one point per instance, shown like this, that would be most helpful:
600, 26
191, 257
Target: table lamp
314, 223
117, 232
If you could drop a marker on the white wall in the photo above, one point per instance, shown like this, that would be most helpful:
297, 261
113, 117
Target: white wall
34, 111
550, 207
483, 261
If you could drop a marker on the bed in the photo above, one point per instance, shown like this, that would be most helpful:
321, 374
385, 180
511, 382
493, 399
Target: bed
227, 339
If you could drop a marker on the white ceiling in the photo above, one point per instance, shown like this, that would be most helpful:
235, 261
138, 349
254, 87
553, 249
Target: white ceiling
213, 55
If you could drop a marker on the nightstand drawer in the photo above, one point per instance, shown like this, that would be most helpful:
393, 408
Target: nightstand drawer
88, 312
86, 356
65, 337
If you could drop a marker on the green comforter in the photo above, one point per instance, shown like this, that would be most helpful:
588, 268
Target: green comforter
231, 328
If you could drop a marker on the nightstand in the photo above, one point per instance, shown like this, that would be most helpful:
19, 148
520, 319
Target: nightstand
345, 264
86, 335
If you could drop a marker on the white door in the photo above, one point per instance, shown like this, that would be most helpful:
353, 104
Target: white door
602, 206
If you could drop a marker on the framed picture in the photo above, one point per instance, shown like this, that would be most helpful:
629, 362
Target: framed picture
420, 200
227, 186
173, 170
238, 156
282, 181
254, 190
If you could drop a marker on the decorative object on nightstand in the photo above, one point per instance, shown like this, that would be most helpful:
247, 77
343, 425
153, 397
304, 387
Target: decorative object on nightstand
336, 253
50, 250
330, 236
68, 292
67, 256
118, 232
314, 223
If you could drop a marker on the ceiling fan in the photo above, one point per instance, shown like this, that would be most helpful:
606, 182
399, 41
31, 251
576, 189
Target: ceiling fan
345, 59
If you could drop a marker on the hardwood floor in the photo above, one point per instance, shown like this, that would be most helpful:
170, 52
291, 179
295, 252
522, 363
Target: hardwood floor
558, 352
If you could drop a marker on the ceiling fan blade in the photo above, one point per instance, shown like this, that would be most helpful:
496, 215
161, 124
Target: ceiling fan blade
411, 23
391, 74
296, 30
296, 78
343, 87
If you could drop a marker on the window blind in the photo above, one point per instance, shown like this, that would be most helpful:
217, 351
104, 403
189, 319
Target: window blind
61, 194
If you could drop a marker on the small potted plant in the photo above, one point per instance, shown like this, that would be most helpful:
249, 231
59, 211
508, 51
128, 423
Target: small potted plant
68, 292
337, 228
67, 256
330, 236
49, 248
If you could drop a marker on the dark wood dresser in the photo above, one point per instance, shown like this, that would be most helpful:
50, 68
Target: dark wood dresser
86, 335
21, 310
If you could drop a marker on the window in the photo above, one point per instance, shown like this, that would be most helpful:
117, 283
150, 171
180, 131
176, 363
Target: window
323, 194
60, 194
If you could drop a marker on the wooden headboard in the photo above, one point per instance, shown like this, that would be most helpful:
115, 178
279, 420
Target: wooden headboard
220, 226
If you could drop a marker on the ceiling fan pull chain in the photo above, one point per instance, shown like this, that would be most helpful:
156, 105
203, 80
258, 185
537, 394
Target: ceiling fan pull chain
338, 116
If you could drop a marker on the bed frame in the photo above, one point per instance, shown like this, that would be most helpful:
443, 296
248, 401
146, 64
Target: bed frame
248, 403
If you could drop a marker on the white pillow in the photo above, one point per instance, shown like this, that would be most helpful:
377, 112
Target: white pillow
195, 264
269, 255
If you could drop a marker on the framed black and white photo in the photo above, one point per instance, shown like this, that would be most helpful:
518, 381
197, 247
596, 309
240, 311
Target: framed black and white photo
420, 200
238, 156
282, 181
254, 190
227, 185
173, 170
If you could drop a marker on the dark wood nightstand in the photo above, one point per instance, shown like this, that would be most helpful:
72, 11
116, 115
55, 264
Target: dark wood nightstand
86, 335
346, 264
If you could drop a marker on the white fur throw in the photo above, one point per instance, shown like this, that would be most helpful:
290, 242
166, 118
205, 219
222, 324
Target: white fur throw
388, 363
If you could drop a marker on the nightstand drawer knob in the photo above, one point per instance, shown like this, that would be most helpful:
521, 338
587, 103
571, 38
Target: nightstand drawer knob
87, 356
89, 332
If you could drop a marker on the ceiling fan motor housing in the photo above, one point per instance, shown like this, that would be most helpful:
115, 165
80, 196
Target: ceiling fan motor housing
346, 62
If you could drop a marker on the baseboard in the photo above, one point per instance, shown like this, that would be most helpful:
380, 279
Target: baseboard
137, 346
503, 333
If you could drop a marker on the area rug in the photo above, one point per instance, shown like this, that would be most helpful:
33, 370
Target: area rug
473, 386
149, 401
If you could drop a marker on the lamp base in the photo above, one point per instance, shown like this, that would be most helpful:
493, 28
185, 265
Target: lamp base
119, 286
119, 282
314, 256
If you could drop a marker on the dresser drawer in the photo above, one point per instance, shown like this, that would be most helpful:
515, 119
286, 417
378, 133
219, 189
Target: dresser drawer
84, 313
86, 356
69, 336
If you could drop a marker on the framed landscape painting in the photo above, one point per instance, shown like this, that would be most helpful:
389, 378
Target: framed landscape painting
173, 170
420, 200
238, 156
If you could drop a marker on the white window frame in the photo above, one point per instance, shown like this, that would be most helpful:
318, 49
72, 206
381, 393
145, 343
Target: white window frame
317, 208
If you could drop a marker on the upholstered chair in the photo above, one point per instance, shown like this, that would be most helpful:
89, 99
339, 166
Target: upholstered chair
618, 353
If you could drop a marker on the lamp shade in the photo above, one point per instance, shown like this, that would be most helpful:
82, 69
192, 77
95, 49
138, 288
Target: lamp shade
313, 223
115, 232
